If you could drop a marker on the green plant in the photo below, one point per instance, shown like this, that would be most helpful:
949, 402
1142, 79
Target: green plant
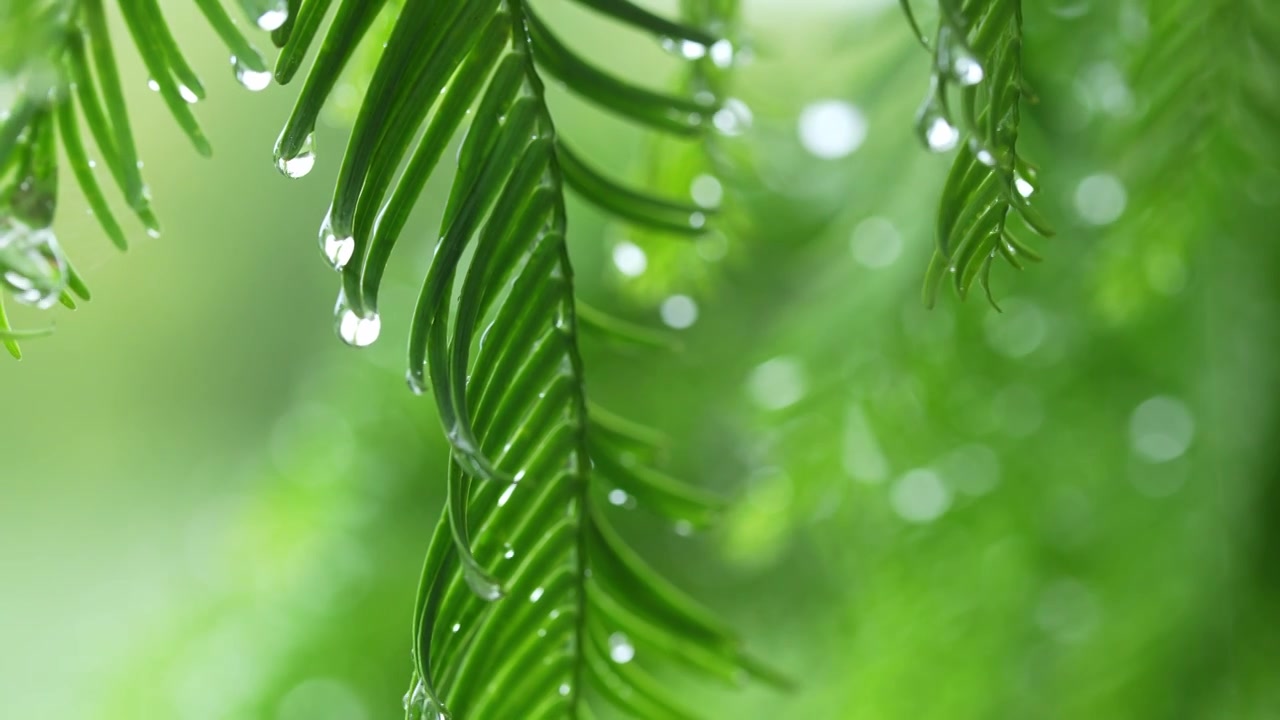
545, 606
512, 395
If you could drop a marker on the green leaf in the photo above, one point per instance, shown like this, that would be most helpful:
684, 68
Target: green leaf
977, 59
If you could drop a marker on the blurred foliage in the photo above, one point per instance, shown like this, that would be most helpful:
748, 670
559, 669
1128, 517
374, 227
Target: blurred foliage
1065, 510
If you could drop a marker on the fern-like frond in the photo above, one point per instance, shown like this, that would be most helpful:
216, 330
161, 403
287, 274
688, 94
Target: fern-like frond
1203, 81
531, 605
975, 96
62, 69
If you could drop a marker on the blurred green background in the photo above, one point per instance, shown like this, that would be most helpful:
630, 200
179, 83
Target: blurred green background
210, 508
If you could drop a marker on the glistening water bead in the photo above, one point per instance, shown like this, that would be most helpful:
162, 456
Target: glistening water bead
253, 80
273, 16
300, 164
354, 329
337, 251
933, 127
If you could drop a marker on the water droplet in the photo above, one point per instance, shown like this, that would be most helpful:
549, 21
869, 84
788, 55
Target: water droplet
721, 53
1101, 199
679, 312
734, 118
630, 259
253, 80
188, 94
155, 86
35, 268
337, 251
982, 154
707, 191
536, 595
418, 705
697, 220
565, 689
934, 127
506, 495
955, 59
691, 50
1023, 186
1161, 429
831, 129
483, 587
301, 164
417, 384
683, 528
354, 329
618, 497
274, 16
920, 496
510, 552
777, 383
876, 243
621, 650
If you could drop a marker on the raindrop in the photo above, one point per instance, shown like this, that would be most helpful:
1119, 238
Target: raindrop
734, 118
418, 705
337, 250
254, 80
707, 191
302, 163
679, 312
188, 94
630, 259
777, 383
1101, 199
691, 50
155, 86
618, 497
273, 16
417, 384
355, 330
1023, 185
621, 650
510, 552
920, 496
1161, 429
506, 495
933, 126
483, 587
956, 60
876, 243
721, 53
35, 268
565, 689
536, 595
983, 155
832, 129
